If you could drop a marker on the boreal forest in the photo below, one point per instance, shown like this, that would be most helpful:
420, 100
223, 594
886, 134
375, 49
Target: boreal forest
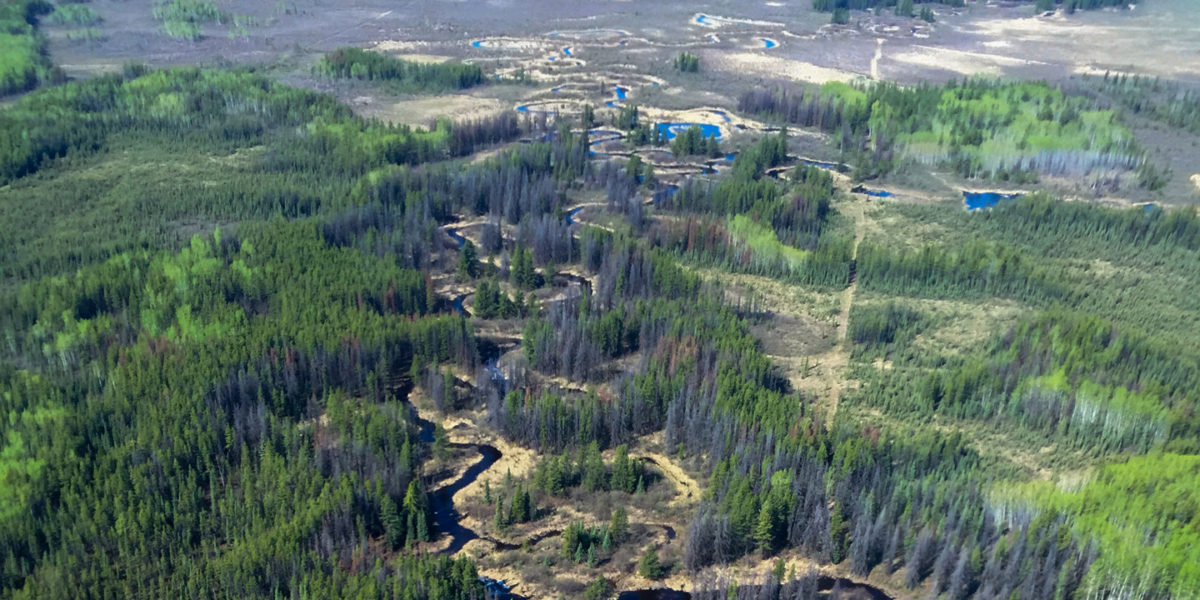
491, 313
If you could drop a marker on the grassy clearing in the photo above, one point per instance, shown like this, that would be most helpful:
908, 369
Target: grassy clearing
953, 328
23, 60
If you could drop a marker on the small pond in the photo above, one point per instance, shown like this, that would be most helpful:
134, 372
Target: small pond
981, 200
670, 130
858, 189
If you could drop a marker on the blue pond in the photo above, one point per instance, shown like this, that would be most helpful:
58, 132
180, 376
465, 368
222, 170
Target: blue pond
610, 104
477, 44
553, 58
769, 43
1150, 207
599, 136
567, 51
704, 20
571, 215
979, 200
670, 130
730, 157
858, 189
525, 109
621, 92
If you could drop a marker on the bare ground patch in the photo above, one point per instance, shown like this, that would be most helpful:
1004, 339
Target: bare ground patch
422, 111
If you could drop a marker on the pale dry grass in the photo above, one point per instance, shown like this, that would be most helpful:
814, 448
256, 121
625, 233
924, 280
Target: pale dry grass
752, 63
424, 110
960, 61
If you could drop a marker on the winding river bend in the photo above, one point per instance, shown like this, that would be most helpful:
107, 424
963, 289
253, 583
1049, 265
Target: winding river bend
446, 518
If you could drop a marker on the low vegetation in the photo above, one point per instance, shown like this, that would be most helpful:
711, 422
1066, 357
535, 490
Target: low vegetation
23, 61
981, 129
372, 66
186, 18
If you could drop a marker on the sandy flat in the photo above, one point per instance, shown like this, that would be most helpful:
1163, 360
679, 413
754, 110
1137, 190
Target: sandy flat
1196, 181
421, 111
774, 66
423, 58
1089, 45
960, 61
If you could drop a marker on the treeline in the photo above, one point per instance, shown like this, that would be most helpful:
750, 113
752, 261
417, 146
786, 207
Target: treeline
227, 107
982, 129
775, 228
23, 59
587, 469
250, 382
1141, 555
910, 503
193, 144
978, 269
368, 65
878, 330
1068, 375
1168, 102
1043, 222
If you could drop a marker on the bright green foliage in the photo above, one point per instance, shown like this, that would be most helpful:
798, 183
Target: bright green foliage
161, 344
1144, 514
23, 61
981, 128
186, 18
168, 149
985, 129
793, 247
